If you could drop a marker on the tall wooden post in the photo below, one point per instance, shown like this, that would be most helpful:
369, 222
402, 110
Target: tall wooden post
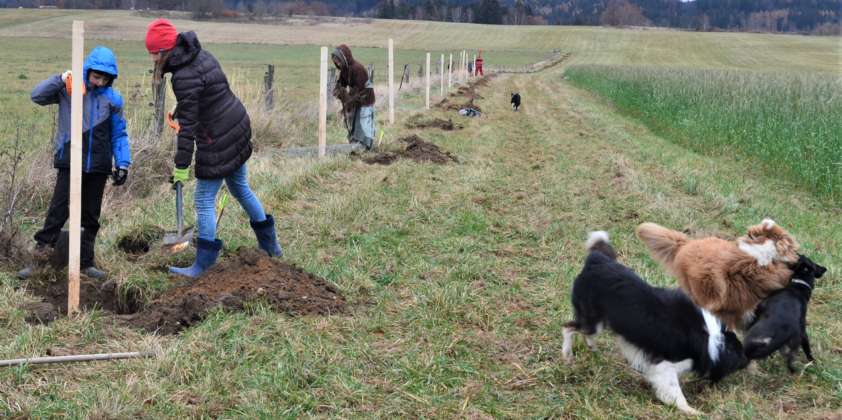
450, 73
462, 66
323, 103
428, 81
75, 168
441, 78
391, 81
474, 66
269, 91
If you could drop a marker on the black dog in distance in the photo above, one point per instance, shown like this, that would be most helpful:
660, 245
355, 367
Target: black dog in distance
515, 101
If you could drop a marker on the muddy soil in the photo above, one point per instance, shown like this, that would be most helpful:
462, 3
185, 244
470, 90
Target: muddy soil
465, 96
418, 121
248, 275
414, 148
93, 294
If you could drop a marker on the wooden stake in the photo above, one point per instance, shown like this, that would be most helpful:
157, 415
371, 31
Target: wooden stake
441, 78
474, 66
428, 81
75, 168
462, 65
323, 103
450, 73
391, 81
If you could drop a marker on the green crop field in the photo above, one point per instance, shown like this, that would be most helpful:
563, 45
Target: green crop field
457, 276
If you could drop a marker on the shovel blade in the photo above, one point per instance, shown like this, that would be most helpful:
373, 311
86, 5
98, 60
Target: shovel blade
173, 238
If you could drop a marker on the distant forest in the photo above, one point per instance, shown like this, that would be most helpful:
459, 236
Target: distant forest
821, 17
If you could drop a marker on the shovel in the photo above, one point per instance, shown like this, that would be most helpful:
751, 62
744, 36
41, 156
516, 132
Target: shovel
178, 241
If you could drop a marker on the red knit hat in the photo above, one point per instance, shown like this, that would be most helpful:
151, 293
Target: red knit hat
160, 35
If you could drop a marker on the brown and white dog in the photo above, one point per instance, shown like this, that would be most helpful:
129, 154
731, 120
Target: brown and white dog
728, 278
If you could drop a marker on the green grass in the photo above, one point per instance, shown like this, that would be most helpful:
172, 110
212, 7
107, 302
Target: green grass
788, 123
458, 276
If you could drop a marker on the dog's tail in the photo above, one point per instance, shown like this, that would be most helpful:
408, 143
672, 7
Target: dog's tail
663, 243
598, 241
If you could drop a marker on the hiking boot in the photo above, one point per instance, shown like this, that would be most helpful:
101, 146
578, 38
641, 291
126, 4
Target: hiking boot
25, 273
94, 273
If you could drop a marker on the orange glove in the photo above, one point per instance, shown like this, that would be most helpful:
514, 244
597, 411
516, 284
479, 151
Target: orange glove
67, 77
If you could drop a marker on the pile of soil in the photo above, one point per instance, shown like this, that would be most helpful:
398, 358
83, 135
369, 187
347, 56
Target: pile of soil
468, 92
248, 275
93, 294
416, 149
418, 121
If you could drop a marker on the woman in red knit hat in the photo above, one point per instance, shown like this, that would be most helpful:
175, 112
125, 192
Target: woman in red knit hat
214, 123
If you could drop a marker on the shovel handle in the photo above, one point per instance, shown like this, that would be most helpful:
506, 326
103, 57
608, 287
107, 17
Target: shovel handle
179, 209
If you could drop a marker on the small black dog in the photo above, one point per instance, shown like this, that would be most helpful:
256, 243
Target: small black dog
660, 332
515, 101
780, 320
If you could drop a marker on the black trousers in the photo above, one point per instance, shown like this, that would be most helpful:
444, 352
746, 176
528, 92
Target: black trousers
93, 186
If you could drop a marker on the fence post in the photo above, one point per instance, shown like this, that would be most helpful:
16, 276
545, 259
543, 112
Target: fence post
268, 81
391, 81
450, 73
75, 169
428, 82
159, 92
441, 78
323, 103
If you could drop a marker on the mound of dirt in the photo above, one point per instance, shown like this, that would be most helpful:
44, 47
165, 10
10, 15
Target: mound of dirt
93, 294
418, 121
416, 149
468, 92
248, 275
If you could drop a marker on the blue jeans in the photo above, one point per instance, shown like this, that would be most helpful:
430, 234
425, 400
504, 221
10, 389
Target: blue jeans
205, 199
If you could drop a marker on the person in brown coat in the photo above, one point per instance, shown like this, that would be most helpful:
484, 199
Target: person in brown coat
356, 91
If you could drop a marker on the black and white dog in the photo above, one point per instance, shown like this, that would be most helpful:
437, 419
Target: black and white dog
660, 332
780, 321
515, 101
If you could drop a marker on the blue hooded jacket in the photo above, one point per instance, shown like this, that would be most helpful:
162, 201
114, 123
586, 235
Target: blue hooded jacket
105, 143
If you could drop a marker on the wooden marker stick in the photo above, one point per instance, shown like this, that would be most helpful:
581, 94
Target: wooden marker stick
428, 81
76, 103
391, 81
441, 78
323, 103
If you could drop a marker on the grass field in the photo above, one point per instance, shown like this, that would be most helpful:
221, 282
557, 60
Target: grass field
789, 122
458, 276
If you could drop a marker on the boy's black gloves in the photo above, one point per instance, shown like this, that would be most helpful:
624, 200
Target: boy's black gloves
120, 175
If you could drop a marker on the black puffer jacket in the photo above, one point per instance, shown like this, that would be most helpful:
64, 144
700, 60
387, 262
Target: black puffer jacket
209, 114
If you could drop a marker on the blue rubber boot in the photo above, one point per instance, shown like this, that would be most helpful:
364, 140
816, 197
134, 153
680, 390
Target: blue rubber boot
266, 238
206, 254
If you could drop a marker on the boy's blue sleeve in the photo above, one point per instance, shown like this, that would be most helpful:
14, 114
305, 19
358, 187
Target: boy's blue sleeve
47, 92
119, 137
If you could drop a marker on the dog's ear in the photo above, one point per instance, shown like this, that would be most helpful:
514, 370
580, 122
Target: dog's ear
819, 271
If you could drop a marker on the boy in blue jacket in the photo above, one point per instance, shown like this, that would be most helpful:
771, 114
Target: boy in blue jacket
105, 151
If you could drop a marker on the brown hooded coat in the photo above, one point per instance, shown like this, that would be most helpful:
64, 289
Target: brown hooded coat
353, 75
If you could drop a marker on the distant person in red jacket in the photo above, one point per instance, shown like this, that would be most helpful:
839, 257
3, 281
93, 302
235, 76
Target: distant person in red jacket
478, 65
